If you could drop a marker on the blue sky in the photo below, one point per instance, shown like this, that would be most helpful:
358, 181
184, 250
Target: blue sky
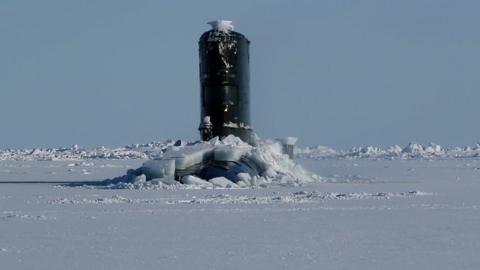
337, 73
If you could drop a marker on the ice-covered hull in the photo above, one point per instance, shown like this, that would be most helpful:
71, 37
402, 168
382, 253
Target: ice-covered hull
230, 169
227, 162
206, 161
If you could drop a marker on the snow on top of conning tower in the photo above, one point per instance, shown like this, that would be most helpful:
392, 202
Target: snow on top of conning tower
222, 25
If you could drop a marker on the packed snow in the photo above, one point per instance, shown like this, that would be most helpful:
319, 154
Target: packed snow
222, 25
414, 207
405, 213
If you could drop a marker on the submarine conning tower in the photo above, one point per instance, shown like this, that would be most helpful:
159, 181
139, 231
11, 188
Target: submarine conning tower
224, 83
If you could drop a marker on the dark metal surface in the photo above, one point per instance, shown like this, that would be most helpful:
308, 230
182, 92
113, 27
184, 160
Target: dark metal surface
224, 82
229, 169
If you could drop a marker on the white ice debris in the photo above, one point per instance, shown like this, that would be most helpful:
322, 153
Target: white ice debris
135, 151
434, 149
188, 156
154, 150
317, 152
223, 182
230, 153
411, 151
274, 167
413, 148
245, 177
237, 125
195, 181
164, 180
222, 25
278, 167
159, 168
206, 120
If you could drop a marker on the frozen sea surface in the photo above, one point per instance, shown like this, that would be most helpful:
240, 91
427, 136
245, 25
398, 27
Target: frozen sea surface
363, 214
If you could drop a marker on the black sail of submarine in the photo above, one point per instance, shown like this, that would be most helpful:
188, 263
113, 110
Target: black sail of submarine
225, 97
224, 82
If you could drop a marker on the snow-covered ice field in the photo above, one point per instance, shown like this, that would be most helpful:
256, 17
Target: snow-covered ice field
363, 214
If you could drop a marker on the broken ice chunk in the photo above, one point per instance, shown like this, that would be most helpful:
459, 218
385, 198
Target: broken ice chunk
189, 156
229, 153
195, 181
223, 182
159, 168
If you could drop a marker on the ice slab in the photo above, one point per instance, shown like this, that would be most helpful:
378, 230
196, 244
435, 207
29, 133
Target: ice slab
230, 153
195, 181
188, 156
159, 168
223, 182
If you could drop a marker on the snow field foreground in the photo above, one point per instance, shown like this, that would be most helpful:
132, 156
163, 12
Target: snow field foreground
365, 214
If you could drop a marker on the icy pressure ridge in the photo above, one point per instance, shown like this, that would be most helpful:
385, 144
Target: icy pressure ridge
155, 150
135, 151
411, 151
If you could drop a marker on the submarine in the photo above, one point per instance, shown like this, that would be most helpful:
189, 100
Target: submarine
227, 146
224, 83
225, 95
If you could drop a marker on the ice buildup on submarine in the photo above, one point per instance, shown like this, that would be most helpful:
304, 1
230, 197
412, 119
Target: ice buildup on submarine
227, 149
